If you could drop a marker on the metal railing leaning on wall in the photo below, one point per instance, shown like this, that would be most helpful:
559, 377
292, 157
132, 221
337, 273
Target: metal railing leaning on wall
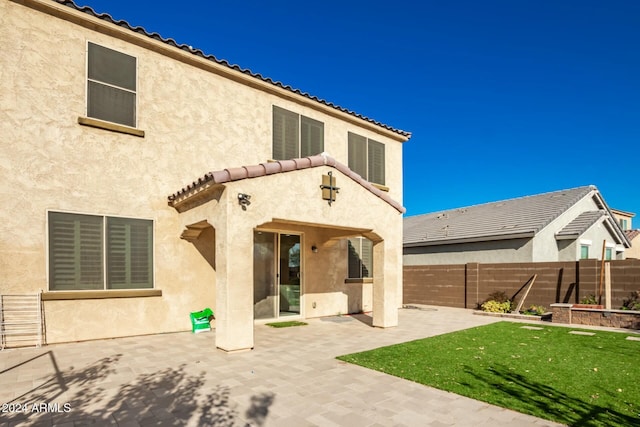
20, 320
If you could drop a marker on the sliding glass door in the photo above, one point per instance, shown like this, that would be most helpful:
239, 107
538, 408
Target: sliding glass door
276, 275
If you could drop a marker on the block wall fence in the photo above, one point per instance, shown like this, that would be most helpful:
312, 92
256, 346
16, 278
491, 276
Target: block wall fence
468, 285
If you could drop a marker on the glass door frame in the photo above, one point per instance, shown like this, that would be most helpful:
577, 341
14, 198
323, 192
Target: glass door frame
278, 275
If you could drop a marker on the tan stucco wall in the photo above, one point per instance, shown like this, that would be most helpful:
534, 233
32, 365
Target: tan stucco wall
618, 215
194, 121
510, 250
634, 250
298, 201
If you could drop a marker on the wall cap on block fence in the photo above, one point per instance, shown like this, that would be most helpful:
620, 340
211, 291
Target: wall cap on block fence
562, 305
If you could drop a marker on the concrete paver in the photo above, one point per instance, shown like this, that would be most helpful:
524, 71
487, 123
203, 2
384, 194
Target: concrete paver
291, 378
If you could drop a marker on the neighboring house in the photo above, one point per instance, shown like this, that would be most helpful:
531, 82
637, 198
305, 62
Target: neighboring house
108, 136
563, 225
624, 220
634, 237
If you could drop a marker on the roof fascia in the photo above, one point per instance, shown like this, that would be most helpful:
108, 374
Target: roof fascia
623, 213
522, 235
614, 228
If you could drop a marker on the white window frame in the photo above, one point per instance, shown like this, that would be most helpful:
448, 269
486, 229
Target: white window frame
104, 251
87, 80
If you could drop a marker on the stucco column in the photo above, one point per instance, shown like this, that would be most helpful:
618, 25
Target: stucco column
385, 309
234, 287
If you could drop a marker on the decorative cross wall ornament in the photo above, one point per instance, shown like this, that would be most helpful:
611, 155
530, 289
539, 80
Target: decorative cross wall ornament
329, 189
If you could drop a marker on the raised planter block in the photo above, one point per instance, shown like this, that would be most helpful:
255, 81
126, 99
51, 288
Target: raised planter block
586, 314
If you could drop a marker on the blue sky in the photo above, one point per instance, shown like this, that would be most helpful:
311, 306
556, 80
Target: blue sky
504, 98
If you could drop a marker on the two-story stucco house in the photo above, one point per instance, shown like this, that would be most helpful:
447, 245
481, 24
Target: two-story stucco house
143, 180
565, 225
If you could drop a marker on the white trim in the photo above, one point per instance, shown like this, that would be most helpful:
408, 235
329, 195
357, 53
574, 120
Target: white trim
586, 242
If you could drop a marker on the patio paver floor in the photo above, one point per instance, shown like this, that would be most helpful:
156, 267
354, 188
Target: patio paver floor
291, 378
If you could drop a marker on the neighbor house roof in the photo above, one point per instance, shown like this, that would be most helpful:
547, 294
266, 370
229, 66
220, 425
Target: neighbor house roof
200, 53
631, 234
506, 219
223, 176
580, 224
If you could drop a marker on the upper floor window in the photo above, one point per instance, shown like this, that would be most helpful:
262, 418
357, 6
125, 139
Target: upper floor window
295, 136
93, 252
111, 85
360, 258
366, 158
608, 254
584, 251
623, 224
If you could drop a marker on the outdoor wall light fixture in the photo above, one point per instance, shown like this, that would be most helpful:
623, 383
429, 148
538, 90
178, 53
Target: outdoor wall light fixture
244, 200
314, 249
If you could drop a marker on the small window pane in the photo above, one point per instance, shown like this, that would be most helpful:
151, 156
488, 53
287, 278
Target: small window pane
376, 162
584, 252
354, 259
112, 67
311, 137
285, 134
129, 253
75, 252
360, 258
358, 154
607, 254
367, 258
111, 104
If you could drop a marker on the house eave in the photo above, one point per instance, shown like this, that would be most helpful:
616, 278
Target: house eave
523, 235
572, 236
88, 18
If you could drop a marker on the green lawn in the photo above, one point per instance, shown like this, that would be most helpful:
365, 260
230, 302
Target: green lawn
576, 380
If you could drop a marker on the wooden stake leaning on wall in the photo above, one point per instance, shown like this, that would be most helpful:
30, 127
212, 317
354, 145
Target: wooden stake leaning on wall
521, 303
607, 286
604, 247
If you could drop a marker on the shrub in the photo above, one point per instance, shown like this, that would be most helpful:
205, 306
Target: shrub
498, 302
498, 296
633, 302
494, 306
589, 299
535, 310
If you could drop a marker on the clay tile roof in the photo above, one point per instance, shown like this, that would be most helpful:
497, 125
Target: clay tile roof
270, 168
255, 170
197, 52
287, 165
632, 234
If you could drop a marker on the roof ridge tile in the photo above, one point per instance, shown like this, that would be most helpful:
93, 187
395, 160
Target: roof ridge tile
282, 166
